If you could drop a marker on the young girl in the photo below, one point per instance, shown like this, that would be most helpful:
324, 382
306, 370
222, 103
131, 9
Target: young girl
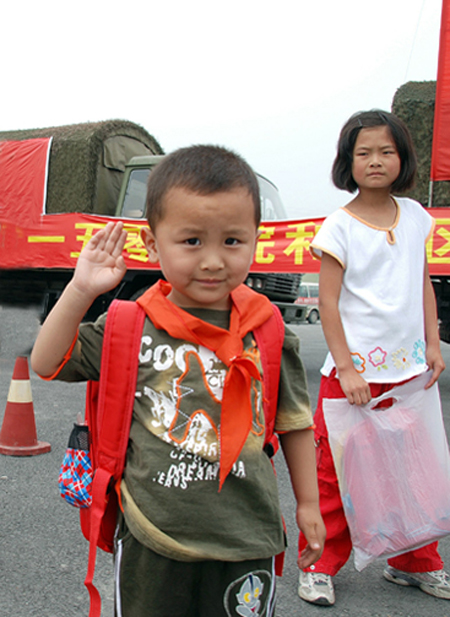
375, 294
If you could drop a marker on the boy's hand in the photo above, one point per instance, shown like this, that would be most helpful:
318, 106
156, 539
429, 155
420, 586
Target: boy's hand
100, 266
310, 523
355, 388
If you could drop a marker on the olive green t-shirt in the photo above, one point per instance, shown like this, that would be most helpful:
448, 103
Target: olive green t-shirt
170, 486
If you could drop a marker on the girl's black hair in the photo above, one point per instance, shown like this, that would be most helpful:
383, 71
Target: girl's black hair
342, 167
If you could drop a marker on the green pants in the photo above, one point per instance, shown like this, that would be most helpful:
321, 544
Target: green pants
149, 585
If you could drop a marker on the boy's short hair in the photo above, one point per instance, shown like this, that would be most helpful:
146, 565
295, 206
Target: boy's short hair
342, 167
202, 169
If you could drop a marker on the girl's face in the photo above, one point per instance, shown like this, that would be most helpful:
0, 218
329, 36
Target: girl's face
376, 163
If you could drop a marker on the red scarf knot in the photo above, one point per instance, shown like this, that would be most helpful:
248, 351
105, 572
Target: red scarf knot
248, 311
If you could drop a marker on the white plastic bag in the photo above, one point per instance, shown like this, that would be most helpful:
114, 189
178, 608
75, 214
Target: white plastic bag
393, 468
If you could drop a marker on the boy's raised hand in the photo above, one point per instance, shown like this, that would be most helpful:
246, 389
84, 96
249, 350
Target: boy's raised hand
101, 266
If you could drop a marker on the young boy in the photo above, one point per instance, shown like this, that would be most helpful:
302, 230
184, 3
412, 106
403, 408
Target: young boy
201, 521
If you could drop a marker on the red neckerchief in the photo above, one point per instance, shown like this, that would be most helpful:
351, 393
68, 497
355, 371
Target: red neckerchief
248, 311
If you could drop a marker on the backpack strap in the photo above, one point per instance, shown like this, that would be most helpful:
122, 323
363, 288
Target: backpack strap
269, 339
116, 393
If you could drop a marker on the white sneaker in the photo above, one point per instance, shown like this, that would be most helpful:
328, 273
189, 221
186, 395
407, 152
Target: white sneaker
316, 588
436, 583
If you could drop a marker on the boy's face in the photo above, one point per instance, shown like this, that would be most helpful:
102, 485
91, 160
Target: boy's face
204, 244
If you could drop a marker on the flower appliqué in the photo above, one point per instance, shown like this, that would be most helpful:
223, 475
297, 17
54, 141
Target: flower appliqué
400, 360
419, 352
358, 362
377, 358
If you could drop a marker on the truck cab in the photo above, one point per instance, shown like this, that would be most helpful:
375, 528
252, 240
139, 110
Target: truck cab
131, 202
60, 185
278, 287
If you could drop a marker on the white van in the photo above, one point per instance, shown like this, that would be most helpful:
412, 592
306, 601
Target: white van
308, 296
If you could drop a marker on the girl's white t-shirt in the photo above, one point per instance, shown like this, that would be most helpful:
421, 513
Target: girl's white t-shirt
381, 300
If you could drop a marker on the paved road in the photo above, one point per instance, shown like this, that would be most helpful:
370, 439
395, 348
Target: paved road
43, 555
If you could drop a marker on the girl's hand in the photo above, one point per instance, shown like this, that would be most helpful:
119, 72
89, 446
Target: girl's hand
355, 388
100, 266
435, 362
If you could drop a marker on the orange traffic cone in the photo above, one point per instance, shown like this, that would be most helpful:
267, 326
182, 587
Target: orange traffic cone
18, 434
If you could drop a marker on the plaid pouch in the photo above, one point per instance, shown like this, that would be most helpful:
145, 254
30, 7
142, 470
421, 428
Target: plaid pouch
75, 474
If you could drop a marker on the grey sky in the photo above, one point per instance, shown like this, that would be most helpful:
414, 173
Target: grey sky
273, 80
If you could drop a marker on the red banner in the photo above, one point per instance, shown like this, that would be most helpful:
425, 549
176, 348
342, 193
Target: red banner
23, 179
283, 246
440, 154
31, 239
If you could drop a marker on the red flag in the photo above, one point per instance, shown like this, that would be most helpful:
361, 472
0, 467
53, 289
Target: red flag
440, 154
23, 180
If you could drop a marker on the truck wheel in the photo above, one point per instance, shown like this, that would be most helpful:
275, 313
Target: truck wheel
313, 316
138, 293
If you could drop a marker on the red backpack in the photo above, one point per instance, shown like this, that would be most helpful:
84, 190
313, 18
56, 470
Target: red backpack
115, 391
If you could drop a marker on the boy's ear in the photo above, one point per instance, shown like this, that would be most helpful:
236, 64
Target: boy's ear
149, 240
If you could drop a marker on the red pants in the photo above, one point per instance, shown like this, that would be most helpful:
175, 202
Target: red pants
338, 544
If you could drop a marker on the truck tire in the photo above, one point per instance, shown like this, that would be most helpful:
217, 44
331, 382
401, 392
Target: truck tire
313, 317
139, 293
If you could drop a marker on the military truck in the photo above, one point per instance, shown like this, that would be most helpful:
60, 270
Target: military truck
83, 176
414, 104
279, 287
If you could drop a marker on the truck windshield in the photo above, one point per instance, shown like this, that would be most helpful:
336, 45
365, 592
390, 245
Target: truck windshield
134, 202
272, 207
